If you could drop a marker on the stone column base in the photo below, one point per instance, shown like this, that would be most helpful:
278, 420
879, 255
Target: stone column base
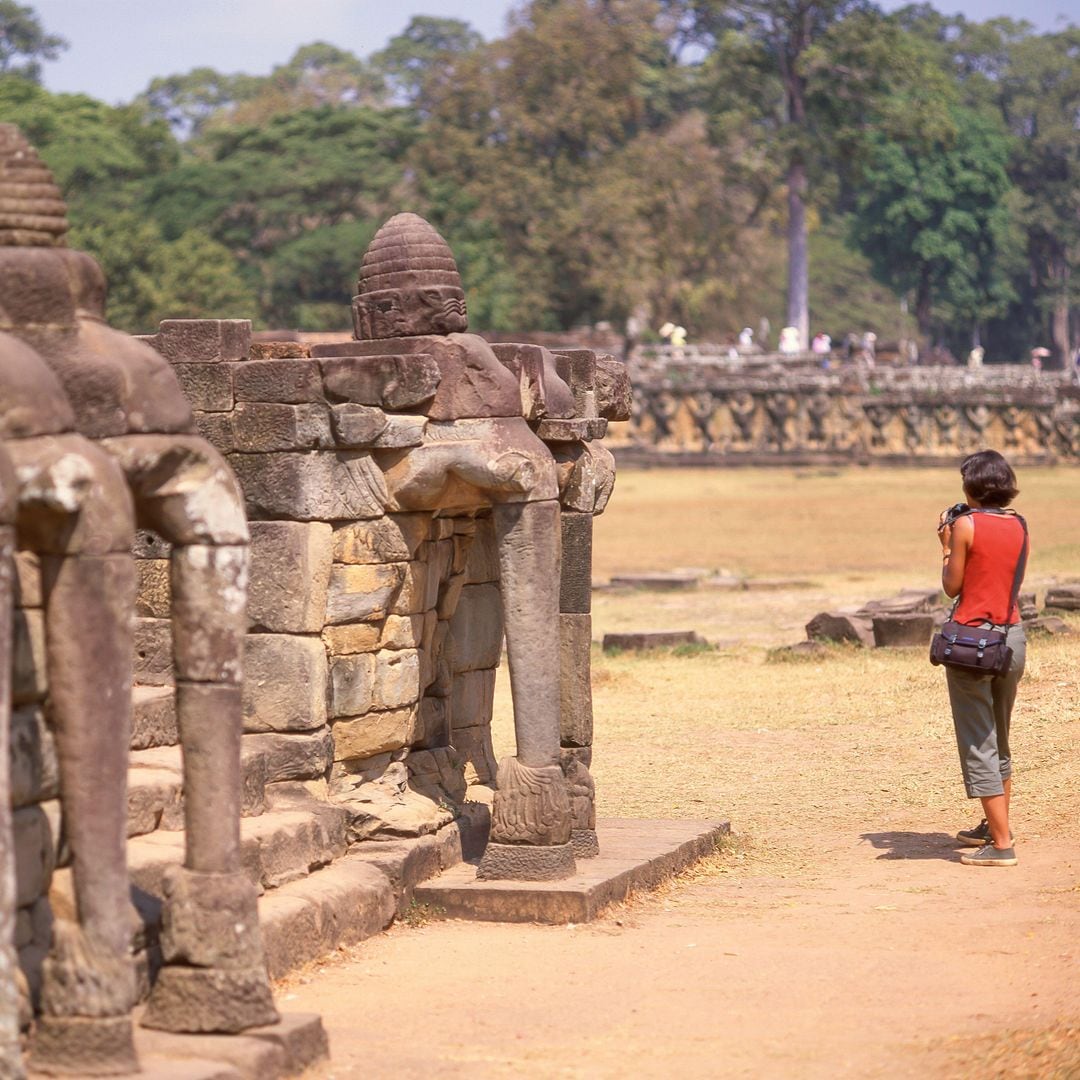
224, 1000
584, 843
526, 862
83, 1046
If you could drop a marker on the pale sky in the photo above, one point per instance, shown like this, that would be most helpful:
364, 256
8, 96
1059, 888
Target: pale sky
118, 46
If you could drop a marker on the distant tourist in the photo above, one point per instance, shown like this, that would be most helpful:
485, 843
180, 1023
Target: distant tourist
975, 358
984, 549
821, 345
869, 347
746, 337
790, 343
1038, 356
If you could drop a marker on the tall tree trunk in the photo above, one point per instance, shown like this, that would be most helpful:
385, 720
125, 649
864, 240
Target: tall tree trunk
1059, 319
922, 305
798, 295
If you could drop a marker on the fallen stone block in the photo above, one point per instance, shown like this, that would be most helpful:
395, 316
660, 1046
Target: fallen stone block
838, 626
907, 602
652, 639
1063, 597
658, 582
801, 650
1047, 624
894, 630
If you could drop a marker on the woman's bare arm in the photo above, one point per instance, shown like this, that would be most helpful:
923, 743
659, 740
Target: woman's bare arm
955, 545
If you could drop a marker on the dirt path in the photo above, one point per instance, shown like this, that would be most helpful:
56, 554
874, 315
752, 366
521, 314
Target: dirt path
893, 961
838, 936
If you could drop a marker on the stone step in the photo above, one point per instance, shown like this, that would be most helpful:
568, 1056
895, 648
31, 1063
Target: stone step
267, 1053
156, 788
356, 897
276, 847
274, 1052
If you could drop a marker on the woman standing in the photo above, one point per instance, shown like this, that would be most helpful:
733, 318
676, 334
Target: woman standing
984, 552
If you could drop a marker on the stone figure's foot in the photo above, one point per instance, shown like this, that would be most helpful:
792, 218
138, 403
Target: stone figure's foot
524, 862
220, 1000
83, 1046
585, 843
214, 978
530, 825
87, 992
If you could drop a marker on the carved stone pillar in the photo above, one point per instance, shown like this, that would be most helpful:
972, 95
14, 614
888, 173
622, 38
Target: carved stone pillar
10, 1055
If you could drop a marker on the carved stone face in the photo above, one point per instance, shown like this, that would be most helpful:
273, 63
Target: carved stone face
409, 285
391, 313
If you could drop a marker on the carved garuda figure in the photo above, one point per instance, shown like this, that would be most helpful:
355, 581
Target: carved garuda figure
126, 397
478, 451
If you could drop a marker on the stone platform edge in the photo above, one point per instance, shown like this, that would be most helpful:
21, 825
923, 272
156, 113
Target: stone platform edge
635, 855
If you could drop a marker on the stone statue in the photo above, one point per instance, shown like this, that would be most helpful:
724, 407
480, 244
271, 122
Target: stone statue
126, 397
10, 1054
72, 508
478, 451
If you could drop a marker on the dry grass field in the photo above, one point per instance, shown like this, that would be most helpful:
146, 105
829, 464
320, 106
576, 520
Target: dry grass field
698, 734
813, 760
835, 935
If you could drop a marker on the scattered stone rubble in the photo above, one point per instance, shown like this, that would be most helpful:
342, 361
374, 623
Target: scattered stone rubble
333, 543
911, 617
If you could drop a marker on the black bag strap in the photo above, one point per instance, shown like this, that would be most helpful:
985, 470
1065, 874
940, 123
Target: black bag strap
1021, 562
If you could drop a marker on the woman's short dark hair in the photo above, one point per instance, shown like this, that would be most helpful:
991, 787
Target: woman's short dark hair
988, 478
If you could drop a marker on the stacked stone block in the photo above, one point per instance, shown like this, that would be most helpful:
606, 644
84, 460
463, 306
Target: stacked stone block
374, 637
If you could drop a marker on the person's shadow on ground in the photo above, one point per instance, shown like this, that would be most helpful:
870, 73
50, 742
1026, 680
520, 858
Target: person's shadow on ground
914, 845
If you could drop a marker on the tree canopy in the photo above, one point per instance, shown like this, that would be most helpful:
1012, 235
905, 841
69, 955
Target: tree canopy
710, 163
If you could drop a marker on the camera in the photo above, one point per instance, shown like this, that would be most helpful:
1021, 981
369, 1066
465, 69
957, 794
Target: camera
954, 511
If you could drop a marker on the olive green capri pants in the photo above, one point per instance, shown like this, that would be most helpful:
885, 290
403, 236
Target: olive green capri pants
982, 712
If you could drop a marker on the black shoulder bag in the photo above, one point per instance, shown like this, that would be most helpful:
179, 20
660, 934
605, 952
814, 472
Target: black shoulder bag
970, 648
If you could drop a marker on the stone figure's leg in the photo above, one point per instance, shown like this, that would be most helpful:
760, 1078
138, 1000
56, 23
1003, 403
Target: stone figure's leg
530, 831
10, 1055
214, 978
575, 677
587, 475
74, 509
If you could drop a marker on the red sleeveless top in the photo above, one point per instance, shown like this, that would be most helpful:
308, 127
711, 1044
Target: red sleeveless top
989, 570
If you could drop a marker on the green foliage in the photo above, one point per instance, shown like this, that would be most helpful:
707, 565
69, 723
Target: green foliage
426, 49
295, 200
24, 42
603, 159
935, 221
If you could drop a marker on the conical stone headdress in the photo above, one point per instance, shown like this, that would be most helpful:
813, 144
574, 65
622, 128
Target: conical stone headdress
408, 284
32, 211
